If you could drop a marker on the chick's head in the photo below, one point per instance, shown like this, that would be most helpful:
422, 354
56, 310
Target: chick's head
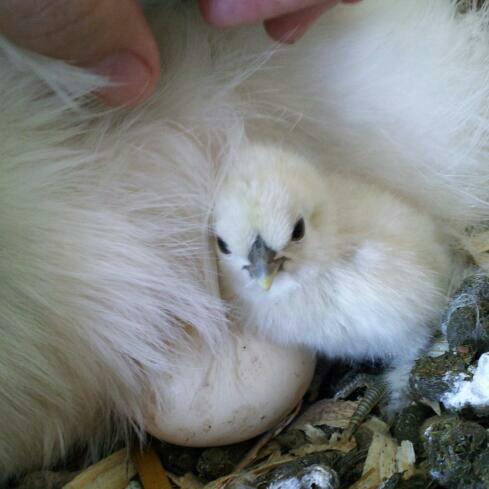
268, 218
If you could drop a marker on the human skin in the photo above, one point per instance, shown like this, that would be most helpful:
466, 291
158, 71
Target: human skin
121, 45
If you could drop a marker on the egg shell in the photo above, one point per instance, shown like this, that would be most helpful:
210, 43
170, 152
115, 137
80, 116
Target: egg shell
244, 391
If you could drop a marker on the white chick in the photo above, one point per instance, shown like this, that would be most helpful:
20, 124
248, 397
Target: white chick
344, 267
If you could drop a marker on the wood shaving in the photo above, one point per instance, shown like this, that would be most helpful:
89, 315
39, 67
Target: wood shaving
329, 412
187, 481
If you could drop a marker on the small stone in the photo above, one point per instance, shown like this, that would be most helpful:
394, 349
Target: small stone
456, 451
408, 422
313, 477
431, 378
178, 460
291, 439
466, 321
308, 472
481, 468
461, 326
218, 462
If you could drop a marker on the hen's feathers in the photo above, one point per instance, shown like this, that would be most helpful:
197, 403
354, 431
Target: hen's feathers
104, 215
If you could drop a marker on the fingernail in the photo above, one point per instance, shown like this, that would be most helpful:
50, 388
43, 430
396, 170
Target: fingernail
291, 27
285, 32
225, 13
130, 79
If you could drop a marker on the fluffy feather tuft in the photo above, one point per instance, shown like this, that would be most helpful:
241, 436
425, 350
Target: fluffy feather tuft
368, 274
104, 222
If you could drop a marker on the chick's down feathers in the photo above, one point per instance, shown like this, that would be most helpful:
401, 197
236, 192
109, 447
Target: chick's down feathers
366, 277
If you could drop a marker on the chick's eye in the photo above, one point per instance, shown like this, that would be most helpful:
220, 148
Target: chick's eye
223, 246
299, 230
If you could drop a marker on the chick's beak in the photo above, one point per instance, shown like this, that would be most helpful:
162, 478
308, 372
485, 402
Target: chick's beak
266, 282
263, 264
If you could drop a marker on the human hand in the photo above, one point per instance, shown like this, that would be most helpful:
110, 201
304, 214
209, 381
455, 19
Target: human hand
285, 20
112, 37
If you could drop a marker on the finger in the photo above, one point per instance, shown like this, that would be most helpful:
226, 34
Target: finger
290, 27
109, 36
225, 13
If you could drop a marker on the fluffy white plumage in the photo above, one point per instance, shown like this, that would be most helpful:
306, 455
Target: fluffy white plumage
357, 272
104, 215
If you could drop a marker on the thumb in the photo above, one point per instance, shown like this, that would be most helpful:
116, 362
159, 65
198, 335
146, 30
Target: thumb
110, 37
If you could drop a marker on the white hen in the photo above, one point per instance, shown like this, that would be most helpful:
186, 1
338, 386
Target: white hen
339, 265
103, 246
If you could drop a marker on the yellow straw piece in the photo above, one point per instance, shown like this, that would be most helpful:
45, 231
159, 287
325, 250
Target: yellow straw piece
151, 472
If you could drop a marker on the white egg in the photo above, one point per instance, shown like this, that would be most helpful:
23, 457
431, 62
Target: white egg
233, 398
